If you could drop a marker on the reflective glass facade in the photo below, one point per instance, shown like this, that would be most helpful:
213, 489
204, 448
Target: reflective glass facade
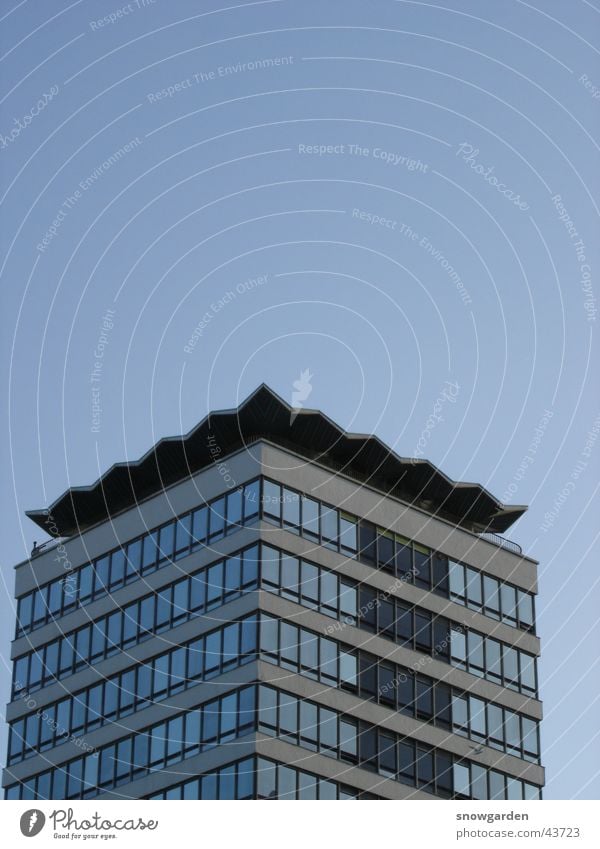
335, 627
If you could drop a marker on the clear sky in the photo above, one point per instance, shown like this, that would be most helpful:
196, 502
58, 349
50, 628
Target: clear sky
417, 186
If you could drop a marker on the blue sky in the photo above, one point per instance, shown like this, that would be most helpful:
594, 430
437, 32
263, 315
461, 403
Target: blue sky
417, 186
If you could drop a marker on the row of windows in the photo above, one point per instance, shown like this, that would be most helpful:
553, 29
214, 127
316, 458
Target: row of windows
139, 557
311, 726
393, 553
319, 522
290, 647
149, 750
276, 713
293, 578
260, 778
135, 689
335, 664
205, 590
423, 631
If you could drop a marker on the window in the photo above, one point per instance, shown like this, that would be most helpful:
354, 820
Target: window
424, 699
385, 551
508, 597
457, 580
403, 559
310, 584
183, 535
525, 607
309, 653
461, 780
477, 709
348, 532
291, 508
528, 672
234, 508
310, 517
493, 655
491, 589
460, 715
270, 566
217, 520
495, 726
387, 755
289, 646
476, 664
422, 567
251, 500
329, 524
474, 596
290, 570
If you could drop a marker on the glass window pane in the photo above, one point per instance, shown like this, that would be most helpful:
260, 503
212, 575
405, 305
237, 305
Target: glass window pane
493, 653
309, 651
329, 589
117, 568
267, 779
291, 508
251, 500
457, 579
512, 730
530, 736
474, 595
478, 782
348, 600
250, 567
166, 543
348, 669
310, 583
348, 532
491, 589
510, 664
461, 780
288, 714
475, 652
183, 533
86, 576
150, 551
234, 507
289, 644
270, 565
460, 714
214, 590
216, 526
310, 517
289, 576
272, 499
495, 723
496, 785
309, 725
233, 575
328, 728
477, 707
268, 634
525, 608
528, 671
199, 525
329, 523
508, 597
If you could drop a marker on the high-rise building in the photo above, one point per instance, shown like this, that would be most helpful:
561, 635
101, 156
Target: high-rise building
270, 607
